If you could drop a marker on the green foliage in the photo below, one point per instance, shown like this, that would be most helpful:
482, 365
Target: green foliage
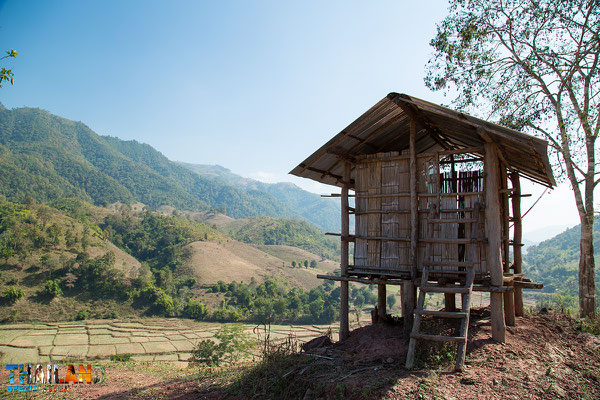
98, 276
156, 239
195, 310
120, 357
270, 231
82, 314
6, 75
12, 293
51, 158
324, 213
274, 301
160, 302
51, 289
555, 262
233, 345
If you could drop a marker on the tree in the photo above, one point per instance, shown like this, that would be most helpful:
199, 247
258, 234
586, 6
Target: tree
532, 65
313, 263
6, 75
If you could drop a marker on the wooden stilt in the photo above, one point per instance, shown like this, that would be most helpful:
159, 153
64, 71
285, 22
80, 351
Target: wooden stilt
509, 308
344, 325
381, 301
408, 305
493, 227
517, 237
450, 302
409, 287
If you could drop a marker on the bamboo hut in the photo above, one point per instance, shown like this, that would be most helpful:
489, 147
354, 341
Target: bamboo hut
435, 192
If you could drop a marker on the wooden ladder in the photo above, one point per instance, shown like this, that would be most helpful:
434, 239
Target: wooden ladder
462, 268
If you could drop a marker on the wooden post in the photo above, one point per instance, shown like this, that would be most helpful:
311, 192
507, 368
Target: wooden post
493, 226
509, 299
517, 237
381, 301
505, 222
344, 326
449, 302
509, 308
409, 292
414, 202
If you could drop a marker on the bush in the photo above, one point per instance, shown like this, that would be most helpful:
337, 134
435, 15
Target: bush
195, 310
233, 346
82, 314
51, 289
12, 293
163, 305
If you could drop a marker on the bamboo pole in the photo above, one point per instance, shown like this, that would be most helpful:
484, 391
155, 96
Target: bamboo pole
517, 237
509, 297
409, 287
494, 235
344, 326
381, 301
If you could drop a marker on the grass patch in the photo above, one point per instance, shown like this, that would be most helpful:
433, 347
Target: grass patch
120, 357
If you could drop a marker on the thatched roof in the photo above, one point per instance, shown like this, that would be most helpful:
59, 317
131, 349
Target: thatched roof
386, 127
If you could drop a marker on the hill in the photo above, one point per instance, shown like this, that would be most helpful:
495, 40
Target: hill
277, 231
321, 212
232, 261
48, 157
555, 262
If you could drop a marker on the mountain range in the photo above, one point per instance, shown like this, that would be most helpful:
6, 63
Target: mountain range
47, 157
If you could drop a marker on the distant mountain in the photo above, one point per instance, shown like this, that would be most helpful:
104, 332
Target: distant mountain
322, 212
48, 157
539, 235
555, 262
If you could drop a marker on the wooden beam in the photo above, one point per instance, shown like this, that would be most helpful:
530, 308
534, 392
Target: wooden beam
517, 238
493, 227
344, 325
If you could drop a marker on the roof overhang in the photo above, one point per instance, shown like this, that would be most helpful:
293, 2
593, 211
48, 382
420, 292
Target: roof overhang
385, 127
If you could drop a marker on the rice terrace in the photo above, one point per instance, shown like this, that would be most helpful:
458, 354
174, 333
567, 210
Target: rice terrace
299, 200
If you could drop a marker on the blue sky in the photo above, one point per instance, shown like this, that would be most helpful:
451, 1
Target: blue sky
253, 86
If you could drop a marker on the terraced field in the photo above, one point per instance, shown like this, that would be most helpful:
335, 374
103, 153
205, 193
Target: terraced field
150, 339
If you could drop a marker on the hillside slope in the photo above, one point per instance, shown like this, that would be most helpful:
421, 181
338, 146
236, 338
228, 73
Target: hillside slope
277, 231
555, 262
48, 157
322, 212
240, 262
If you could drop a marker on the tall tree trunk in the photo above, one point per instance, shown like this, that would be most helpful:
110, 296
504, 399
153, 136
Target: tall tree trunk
587, 285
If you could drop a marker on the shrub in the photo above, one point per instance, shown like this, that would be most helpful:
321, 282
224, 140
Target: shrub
82, 314
163, 305
233, 345
12, 293
51, 289
195, 310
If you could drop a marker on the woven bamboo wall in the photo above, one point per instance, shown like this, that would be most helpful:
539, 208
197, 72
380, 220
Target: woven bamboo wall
389, 217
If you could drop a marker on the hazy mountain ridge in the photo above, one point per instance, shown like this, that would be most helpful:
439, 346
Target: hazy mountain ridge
48, 157
322, 212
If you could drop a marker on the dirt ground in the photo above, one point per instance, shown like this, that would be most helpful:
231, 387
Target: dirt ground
545, 357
